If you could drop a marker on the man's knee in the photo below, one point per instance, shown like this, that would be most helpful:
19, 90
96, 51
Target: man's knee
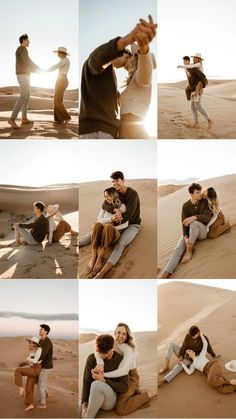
95, 388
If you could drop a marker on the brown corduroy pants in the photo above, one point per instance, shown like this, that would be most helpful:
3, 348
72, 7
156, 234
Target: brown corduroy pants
60, 112
128, 402
104, 235
216, 378
32, 373
62, 228
218, 227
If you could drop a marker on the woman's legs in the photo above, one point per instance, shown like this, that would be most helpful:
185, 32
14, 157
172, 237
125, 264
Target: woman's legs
96, 240
109, 237
128, 402
32, 373
218, 227
62, 228
216, 379
60, 112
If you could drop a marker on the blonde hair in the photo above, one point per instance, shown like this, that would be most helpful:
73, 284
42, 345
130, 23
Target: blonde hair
112, 192
213, 200
130, 337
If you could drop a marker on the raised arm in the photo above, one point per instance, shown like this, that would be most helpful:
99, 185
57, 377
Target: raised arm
189, 370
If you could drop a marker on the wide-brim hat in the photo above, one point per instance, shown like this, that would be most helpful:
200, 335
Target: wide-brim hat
197, 55
231, 365
52, 209
62, 49
34, 339
134, 50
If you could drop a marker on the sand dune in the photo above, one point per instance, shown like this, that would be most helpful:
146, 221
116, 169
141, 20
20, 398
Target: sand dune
135, 262
57, 261
146, 361
213, 310
212, 258
62, 382
164, 190
175, 116
41, 113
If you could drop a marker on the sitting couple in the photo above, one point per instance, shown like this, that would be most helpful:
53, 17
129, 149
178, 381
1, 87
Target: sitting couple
201, 218
117, 226
196, 83
100, 100
39, 363
52, 225
192, 356
111, 380
24, 67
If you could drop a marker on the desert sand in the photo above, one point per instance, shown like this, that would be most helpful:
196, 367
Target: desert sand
40, 112
62, 381
212, 258
60, 260
147, 369
175, 116
213, 310
139, 259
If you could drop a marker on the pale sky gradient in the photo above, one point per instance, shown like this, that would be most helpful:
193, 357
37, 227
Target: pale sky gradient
227, 284
49, 24
103, 304
195, 159
51, 162
104, 20
34, 297
189, 26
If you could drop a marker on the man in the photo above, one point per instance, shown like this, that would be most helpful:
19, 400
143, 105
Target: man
24, 66
39, 228
98, 392
191, 341
46, 364
196, 214
132, 214
99, 95
194, 76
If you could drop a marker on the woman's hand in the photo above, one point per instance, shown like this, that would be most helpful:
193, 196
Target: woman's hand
99, 369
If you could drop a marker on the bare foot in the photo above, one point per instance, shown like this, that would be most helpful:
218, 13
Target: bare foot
91, 264
98, 265
210, 124
13, 123
67, 121
164, 369
188, 254
164, 275
161, 381
232, 223
41, 406
233, 382
25, 121
30, 407
152, 393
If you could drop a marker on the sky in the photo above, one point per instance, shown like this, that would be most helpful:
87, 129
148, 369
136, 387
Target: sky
49, 24
111, 18
227, 284
195, 159
50, 162
189, 26
26, 304
103, 304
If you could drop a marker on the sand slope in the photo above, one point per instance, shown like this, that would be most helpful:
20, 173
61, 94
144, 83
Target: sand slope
174, 114
135, 262
213, 311
147, 369
62, 382
212, 258
41, 113
60, 260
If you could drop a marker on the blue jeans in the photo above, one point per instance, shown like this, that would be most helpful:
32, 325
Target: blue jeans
197, 107
23, 100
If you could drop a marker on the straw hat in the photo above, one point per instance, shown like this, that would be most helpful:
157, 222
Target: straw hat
62, 49
52, 209
134, 50
34, 340
198, 55
231, 366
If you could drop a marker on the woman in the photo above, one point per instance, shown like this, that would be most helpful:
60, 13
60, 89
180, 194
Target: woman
217, 224
132, 399
32, 370
212, 369
57, 226
136, 97
61, 116
106, 232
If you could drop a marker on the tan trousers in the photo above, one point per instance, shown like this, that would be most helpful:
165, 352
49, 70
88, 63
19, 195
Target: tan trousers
128, 402
215, 377
62, 228
32, 373
60, 112
104, 235
218, 227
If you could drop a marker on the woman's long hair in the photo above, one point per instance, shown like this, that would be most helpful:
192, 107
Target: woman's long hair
112, 192
130, 338
131, 72
213, 201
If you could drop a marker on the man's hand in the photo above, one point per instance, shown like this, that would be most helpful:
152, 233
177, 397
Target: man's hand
180, 66
180, 359
84, 409
98, 376
143, 33
187, 221
117, 217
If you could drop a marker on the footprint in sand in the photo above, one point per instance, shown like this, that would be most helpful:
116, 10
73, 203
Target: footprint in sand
29, 267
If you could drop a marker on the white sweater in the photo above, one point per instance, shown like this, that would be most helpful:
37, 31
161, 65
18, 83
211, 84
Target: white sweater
33, 357
128, 362
136, 97
200, 361
63, 67
104, 217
